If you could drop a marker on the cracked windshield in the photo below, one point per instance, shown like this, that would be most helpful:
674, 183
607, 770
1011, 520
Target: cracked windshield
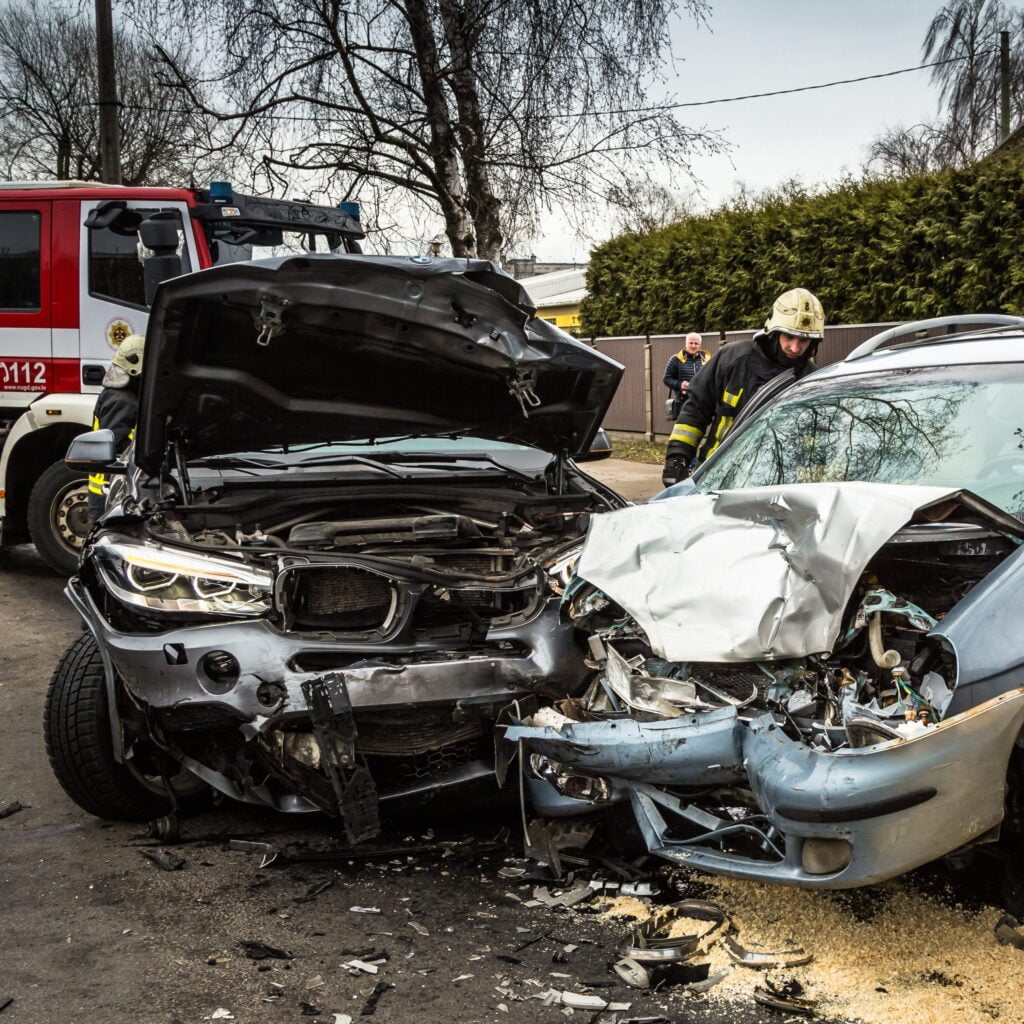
929, 427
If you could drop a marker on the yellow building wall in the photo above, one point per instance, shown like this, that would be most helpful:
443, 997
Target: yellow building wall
565, 317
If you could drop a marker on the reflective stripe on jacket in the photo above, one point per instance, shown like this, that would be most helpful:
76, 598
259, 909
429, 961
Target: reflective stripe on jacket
718, 394
117, 409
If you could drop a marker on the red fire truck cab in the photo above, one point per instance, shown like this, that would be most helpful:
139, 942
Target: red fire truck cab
75, 280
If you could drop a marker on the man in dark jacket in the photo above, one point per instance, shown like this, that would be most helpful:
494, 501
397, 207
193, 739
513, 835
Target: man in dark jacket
683, 367
718, 394
117, 409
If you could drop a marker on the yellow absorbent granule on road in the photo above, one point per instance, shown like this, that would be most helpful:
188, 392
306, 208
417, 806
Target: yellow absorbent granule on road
625, 906
916, 961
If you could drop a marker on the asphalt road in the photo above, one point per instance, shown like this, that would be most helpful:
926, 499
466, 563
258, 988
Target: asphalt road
636, 481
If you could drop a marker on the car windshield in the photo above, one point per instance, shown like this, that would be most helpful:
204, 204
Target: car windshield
959, 426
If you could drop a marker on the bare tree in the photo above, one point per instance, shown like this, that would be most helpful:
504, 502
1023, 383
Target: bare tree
487, 111
964, 35
647, 206
49, 120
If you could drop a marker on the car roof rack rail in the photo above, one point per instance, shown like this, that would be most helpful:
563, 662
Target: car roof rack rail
952, 325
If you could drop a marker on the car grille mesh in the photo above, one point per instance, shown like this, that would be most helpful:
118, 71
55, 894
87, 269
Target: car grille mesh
340, 597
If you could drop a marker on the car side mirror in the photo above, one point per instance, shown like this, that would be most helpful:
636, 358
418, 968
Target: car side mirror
95, 452
159, 233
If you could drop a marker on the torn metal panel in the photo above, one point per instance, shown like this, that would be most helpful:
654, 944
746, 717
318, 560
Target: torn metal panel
698, 749
769, 570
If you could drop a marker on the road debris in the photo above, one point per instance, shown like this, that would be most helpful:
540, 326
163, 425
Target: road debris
167, 829
316, 981
313, 891
263, 951
12, 808
1009, 931
221, 1013
418, 928
5, 1001
760, 958
166, 859
785, 997
308, 1009
365, 910
267, 853
578, 1001
356, 967
370, 1006
562, 897
658, 939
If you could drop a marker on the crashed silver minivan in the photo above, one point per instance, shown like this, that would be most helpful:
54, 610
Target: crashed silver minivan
339, 544
808, 661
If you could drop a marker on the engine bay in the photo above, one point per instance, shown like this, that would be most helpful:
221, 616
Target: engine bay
886, 679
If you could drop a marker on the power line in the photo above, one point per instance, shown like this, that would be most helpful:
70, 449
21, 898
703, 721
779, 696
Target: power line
665, 106
776, 92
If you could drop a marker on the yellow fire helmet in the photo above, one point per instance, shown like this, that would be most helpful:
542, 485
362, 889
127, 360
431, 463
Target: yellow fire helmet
797, 312
127, 362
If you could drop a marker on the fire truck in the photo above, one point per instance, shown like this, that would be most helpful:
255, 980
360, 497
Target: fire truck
79, 263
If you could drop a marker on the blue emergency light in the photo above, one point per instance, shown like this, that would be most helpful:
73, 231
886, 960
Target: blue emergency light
220, 193
350, 208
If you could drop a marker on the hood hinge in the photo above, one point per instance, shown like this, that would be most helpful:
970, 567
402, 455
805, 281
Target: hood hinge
269, 320
521, 389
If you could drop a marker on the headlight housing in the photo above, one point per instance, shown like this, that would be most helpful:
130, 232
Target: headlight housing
164, 579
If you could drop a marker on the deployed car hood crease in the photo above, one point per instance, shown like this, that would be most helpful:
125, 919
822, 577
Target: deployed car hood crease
768, 571
398, 347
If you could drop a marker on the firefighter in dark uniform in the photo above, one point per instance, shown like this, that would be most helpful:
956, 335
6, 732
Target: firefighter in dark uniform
719, 392
117, 409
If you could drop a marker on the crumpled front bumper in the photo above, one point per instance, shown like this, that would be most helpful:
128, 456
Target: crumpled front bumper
896, 805
164, 672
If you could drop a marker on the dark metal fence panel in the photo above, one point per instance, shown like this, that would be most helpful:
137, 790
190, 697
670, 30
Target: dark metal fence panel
627, 411
840, 341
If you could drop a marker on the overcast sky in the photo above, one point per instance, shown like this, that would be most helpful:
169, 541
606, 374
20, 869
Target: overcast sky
759, 45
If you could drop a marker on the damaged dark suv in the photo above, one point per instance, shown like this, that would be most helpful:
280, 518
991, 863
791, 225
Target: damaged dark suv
808, 661
339, 544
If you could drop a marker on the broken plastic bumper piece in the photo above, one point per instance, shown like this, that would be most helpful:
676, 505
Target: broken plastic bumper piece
825, 819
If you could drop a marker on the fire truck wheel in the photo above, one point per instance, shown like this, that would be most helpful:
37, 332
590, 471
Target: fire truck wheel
58, 517
78, 743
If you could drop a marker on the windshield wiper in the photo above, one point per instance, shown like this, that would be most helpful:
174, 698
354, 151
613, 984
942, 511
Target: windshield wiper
235, 461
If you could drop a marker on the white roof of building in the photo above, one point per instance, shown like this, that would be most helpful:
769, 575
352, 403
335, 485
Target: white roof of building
559, 288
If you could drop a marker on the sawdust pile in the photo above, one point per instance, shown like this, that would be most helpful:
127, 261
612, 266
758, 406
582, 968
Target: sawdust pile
915, 961
624, 906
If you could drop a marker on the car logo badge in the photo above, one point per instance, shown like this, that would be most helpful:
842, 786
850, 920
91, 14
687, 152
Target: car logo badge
422, 261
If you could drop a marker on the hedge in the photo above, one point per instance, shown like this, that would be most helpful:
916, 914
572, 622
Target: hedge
872, 250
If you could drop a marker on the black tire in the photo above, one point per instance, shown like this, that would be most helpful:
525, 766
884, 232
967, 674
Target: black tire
58, 517
78, 743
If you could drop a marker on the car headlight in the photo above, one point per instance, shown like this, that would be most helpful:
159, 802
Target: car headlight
167, 580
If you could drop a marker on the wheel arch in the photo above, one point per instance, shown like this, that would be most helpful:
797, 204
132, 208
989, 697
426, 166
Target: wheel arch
25, 459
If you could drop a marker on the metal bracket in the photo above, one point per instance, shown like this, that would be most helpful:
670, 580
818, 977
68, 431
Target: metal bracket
521, 389
330, 711
270, 322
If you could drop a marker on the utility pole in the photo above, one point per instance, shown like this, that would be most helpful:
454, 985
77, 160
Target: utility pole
1004, 86
110, 132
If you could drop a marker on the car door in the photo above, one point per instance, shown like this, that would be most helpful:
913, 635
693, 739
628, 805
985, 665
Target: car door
112, 288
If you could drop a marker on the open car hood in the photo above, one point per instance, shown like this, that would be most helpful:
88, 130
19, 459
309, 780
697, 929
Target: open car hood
758, 573
312, 348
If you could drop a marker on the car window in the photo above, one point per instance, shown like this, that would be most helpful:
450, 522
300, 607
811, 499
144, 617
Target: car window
19, 260
959, 426
115, 269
